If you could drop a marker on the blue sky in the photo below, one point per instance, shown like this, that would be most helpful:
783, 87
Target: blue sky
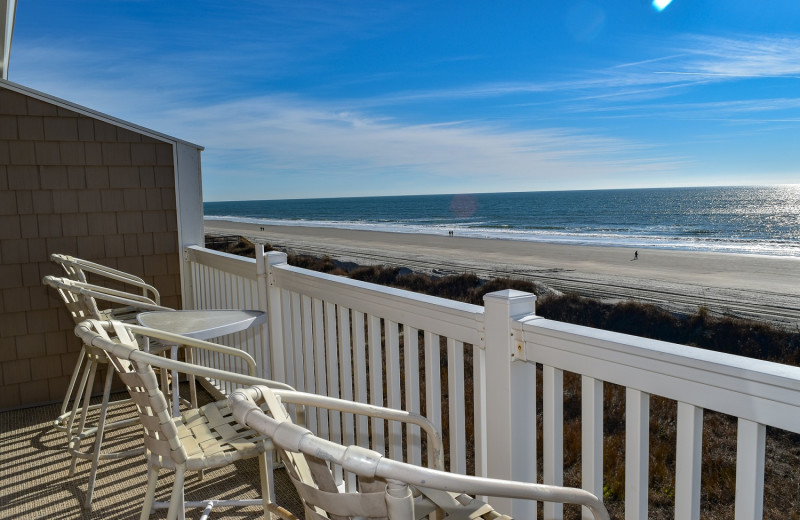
295, 99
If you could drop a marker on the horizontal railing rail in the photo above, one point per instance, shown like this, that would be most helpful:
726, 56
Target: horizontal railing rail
449, 318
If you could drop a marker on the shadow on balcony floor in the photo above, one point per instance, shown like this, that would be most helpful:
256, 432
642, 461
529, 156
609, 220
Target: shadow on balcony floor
35, 482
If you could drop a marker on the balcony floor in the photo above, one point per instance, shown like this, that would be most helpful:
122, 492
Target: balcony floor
34, 479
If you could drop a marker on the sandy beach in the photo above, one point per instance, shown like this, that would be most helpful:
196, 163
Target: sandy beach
761, 287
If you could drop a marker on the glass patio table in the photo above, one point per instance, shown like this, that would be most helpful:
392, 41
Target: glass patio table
198, 324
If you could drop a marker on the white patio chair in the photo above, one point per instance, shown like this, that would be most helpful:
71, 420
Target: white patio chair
201, 438
387, 488
81, 300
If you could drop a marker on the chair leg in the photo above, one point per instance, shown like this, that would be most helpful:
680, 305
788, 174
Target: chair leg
150, 494
84, 412
98, 441
177, 509
265, 469
76, 402
72, 381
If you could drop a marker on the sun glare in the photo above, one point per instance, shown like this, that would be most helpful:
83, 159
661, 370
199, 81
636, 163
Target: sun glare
660, 5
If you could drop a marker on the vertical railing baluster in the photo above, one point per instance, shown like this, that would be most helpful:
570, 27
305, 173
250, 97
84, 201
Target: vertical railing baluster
308, 354
637, 453
346, 371
332, 348
297, 343
376, 380
346, 384
393, 399
553, 435
433, 380
360, 380
288, 337
591, 439
687, 461
750, 452
479, 401
226, 291
319, 360
411, 353
245, 338
455, 386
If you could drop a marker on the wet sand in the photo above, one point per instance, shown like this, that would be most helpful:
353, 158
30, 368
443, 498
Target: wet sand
762, 287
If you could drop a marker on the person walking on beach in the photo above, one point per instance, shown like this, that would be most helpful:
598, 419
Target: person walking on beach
636, 255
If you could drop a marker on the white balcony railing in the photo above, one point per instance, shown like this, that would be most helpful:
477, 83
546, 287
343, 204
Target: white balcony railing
344, 338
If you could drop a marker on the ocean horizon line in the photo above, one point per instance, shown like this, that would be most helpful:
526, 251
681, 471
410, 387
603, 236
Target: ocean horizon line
588, 190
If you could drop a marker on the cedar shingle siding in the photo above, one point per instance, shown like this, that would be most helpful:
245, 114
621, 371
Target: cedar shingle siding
73, 184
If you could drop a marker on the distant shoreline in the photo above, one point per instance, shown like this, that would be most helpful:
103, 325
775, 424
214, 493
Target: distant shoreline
754, 286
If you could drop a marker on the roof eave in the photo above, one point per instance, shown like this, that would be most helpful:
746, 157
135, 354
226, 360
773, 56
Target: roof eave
68, 105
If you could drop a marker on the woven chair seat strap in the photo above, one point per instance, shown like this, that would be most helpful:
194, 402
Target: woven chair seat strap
373, 504
459, 506
368, 505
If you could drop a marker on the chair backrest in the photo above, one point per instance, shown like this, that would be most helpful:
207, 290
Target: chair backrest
161, 437
386, 488
77, 269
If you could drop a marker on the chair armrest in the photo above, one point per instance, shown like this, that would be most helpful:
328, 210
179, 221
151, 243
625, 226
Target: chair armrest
76, 266
183, 341
135, 301
484, 486
255, 395
433, 435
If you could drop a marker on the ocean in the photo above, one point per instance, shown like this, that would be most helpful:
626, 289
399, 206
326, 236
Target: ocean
762, 220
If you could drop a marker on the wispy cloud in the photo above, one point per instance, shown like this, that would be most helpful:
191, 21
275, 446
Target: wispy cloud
288, 134
689, 61
743, 57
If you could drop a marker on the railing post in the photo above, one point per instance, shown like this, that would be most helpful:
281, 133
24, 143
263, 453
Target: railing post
275, 317
262, 355
187, 281
511, 391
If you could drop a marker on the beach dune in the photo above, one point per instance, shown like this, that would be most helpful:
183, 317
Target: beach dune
751, 286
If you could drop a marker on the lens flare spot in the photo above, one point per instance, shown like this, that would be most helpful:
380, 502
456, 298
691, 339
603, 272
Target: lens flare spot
463, 206
660, 5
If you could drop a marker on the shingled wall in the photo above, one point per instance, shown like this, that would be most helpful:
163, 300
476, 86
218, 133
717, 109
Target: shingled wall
75, 184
